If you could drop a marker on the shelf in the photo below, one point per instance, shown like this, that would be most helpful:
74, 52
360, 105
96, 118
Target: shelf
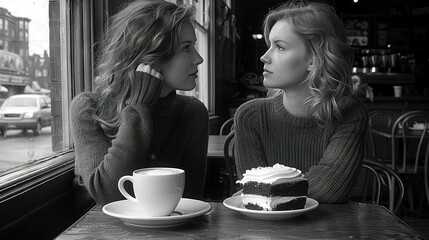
387, 78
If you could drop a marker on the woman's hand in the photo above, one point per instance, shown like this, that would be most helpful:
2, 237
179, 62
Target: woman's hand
147, 85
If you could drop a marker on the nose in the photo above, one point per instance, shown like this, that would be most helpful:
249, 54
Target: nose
265, 58
198, 59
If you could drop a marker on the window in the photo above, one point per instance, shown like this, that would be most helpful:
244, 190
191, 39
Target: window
6, 24
19, 145
201, 91
1, 23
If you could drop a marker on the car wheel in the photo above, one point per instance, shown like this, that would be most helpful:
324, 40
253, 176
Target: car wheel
37, 130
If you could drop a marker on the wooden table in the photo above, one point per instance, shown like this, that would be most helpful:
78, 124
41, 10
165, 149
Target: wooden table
215, 148
338, 221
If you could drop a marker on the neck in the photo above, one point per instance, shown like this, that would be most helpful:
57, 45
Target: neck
165, 91
294, 100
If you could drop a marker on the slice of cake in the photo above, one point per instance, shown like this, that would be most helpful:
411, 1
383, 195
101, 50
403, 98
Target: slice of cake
274, 188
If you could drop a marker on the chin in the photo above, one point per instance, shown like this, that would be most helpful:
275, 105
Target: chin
269, 83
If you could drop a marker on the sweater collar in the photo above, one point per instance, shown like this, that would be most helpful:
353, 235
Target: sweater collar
281, 112
165, 105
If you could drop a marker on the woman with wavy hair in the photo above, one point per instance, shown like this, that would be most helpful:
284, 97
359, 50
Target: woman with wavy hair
134, 119
313, 122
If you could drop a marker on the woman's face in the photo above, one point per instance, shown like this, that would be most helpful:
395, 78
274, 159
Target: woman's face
286, 62
181, 71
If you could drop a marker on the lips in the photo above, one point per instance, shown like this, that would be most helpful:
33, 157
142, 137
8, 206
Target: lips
267, 71
194, 73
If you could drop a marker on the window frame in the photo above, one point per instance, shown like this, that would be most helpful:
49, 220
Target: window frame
81, 23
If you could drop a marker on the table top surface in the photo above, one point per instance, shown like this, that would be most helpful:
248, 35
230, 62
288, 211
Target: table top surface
338, 221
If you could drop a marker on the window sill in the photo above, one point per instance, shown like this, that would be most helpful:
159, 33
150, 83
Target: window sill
12, 181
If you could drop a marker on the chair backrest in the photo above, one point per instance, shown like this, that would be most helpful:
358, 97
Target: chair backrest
228, 151
379, 179
409, 134
382, 121
226, 127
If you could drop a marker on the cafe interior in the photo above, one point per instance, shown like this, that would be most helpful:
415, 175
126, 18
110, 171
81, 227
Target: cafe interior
390, 198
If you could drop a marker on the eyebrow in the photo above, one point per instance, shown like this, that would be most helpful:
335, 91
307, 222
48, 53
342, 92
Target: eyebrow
277, 41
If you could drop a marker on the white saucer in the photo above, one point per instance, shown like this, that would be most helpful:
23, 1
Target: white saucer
235, 204
130, 213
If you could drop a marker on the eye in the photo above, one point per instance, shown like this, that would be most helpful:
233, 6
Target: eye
280, 48
187, 47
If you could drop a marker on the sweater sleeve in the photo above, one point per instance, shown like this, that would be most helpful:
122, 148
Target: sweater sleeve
195, 155
331, 180
249, 152
100, 161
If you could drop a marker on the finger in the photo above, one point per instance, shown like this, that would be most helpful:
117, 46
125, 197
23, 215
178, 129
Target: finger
155, 73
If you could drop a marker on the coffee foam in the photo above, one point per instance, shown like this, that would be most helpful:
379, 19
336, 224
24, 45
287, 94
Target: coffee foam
158, 172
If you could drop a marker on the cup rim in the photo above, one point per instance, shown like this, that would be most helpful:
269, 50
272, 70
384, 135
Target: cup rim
177, 171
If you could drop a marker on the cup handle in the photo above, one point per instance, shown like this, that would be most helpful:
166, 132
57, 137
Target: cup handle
122, 189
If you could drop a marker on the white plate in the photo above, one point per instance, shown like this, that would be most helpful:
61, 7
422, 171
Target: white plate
130, 213
236, 204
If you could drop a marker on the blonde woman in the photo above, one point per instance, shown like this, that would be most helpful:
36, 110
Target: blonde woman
134, 119
313, 122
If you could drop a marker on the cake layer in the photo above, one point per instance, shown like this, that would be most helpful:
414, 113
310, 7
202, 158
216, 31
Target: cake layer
290, 189
294, 204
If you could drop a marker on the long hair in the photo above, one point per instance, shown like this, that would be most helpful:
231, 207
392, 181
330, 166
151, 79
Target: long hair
325, 39
145, 31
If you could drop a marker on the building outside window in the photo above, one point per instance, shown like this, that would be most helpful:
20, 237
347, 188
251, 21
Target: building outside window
23, 146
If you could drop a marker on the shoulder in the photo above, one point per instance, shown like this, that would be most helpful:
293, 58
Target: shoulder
192, 106
356, 110
252, 108
84, 99
82, 104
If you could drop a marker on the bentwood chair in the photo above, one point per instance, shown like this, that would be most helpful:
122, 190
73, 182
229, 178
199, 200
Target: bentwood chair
379, 120
228, 150
379, 181
227, 127
409, 141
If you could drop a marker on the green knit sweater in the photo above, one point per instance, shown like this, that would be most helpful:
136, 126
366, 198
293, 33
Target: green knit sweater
330, 157
171, 131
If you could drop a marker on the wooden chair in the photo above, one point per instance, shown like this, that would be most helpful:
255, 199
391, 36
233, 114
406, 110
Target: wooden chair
227, 127
380, 179
228, 150
408, 156
382, 121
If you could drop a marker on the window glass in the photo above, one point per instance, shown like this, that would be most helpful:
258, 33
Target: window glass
201, 91
1, 23
21, 140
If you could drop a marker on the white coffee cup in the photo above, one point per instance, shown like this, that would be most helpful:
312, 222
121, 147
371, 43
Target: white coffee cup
157, 190
397, 91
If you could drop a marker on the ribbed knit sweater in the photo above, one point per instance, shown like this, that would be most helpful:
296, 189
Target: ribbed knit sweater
166, 132
329, 156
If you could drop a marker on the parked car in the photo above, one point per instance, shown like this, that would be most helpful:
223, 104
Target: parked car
25, 111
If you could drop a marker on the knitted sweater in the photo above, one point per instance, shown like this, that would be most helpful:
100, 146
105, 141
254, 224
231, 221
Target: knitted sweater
166, 132
330, 157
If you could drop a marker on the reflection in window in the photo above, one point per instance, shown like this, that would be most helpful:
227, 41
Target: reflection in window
22, 143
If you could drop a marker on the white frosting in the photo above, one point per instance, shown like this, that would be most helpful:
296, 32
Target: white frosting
267, 203
272, 175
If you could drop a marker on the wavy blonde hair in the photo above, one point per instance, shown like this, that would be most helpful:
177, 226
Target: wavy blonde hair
325, 38
145, 31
